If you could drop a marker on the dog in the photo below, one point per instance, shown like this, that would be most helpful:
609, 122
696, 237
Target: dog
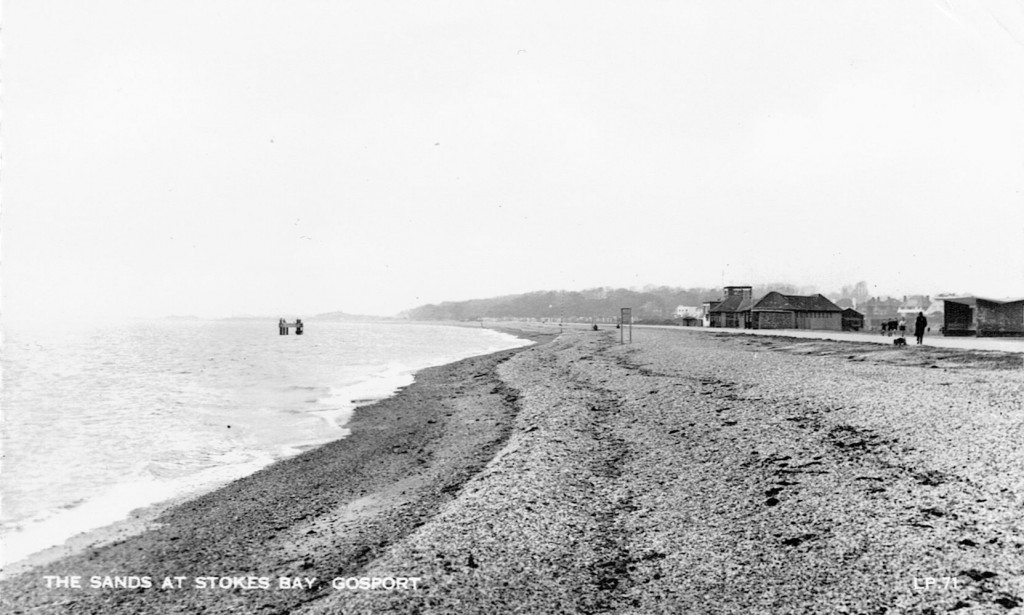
899, 341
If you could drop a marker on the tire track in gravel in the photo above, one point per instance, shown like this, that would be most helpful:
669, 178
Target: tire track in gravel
613, 501
544, 527
615, 575
586, 368
610, 454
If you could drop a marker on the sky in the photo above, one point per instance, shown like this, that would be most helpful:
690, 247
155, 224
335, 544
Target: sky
253, 157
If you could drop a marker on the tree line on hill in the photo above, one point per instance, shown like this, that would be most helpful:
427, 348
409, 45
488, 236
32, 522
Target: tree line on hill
651, 304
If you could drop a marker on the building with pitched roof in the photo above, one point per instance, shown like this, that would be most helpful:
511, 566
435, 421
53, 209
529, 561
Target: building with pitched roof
705, 312
852, 320
913, 304
778, 311
739, 310
733, 311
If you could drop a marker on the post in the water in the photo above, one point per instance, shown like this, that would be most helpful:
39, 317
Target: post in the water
283, 326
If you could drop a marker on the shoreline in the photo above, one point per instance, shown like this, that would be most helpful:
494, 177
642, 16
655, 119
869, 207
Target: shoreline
681, 473
406, 455
145, 517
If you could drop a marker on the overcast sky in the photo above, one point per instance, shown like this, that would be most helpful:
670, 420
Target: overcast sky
229, 157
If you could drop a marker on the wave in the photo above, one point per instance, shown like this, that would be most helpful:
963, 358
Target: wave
341, 401
151, 485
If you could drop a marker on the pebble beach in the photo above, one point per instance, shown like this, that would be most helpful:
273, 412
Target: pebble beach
682, 473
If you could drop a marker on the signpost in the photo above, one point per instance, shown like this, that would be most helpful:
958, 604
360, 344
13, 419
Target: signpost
626, 319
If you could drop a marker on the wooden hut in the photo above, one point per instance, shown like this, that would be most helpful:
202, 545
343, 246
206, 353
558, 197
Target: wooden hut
852, 320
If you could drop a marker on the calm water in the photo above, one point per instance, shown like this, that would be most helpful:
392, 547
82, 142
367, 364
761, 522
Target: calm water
100, 422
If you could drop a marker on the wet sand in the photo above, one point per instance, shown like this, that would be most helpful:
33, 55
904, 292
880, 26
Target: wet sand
683, 473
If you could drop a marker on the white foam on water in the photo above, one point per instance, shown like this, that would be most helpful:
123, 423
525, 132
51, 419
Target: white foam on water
116, 503
342, 401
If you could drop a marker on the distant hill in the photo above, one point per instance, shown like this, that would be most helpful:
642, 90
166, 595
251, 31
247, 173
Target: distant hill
650, 304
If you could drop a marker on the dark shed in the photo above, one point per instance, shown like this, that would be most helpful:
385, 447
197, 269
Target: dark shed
852, 320
983, 317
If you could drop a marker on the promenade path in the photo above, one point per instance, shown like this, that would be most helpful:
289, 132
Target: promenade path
1004, 344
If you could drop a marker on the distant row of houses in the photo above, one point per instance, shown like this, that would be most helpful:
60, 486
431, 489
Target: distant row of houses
954, 315
878, 310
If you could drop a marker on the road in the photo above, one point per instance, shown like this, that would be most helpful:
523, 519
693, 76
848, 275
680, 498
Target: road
1005, 344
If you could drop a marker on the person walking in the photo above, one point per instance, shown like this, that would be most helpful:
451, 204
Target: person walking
903, 326
920, 324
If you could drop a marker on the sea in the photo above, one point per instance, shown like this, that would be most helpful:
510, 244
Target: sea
99, 421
